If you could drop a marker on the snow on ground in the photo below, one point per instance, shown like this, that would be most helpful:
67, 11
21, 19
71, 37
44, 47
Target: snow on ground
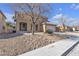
74, 52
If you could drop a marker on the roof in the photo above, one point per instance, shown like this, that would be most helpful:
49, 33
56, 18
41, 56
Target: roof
50, 23
2, 14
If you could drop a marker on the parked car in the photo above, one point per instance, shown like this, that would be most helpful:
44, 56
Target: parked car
14, 31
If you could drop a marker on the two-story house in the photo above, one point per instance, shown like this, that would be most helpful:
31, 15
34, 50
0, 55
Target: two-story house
24, 22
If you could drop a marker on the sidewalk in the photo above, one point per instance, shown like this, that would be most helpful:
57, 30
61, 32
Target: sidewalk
54, 49
74, 52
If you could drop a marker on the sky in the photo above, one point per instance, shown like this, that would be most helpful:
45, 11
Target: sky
68, 10
7, 11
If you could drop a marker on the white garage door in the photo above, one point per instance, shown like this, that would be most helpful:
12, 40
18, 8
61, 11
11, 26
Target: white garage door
53, 28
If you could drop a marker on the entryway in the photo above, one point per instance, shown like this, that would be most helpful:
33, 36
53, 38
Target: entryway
23, 26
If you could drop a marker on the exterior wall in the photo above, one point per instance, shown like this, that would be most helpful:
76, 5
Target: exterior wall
77, 28
24, 21
73, 29
2, 24
1, 27
44, 28
27, 19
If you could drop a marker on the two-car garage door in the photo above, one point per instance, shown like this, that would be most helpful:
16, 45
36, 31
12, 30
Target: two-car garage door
53, 28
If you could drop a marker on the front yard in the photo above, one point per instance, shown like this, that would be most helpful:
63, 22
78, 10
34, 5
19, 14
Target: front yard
24, 43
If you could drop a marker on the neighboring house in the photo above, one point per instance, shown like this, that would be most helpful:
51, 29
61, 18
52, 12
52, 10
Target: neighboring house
61, 28
68, 28
24, 22
49, 25
71, 28
2, 23
10, 27
77, 28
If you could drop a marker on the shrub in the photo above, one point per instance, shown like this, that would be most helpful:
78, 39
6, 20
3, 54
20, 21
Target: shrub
49, 31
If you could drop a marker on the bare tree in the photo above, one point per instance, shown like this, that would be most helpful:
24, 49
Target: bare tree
41, 9
62, 20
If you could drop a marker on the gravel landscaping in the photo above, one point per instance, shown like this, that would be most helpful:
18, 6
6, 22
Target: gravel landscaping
24, 43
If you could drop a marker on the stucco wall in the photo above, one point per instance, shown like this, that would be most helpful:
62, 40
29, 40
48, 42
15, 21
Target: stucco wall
27, 19
2, 24
1, 27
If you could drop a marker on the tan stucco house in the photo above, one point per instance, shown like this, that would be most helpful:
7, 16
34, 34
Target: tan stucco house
24, 22
2, 23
